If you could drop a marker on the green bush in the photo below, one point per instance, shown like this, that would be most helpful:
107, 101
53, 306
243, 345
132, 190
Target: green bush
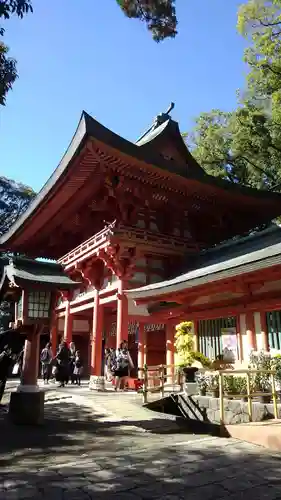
235, 385
198, 356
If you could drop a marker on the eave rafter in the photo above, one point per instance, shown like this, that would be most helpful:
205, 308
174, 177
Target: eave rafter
247, 284
159, 181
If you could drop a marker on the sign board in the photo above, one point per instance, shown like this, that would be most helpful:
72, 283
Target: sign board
229, 344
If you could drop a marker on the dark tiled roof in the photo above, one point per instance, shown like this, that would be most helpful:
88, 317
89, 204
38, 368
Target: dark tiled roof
89, 128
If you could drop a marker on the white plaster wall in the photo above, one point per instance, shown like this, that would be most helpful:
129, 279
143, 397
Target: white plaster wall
257, 319
60, 324
135, 310
79, 325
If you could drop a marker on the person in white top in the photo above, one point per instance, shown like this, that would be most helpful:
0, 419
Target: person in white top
123, 364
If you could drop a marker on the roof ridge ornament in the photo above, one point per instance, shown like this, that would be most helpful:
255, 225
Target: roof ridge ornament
159, 120
163, 117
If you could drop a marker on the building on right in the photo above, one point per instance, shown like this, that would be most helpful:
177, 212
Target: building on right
232, 294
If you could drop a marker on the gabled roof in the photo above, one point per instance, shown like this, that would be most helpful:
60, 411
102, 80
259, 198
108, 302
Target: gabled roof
71, 176
165, 137
252, 253
23, 272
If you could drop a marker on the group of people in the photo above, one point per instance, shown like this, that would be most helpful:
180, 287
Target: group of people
118, 364
65, 366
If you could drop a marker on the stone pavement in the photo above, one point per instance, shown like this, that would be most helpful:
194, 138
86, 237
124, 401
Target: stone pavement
91, 448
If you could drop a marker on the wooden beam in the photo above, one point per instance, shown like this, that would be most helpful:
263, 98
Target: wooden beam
264, 302
245, 282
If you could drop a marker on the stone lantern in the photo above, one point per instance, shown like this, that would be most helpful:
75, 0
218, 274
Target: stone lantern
33, 287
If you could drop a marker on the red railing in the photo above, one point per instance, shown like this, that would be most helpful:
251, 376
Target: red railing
137, 235
96, 241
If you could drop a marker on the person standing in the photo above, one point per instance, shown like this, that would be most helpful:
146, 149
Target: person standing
123, 364
46, 362
78, 368
72, 355
62, 358
20, 362
6, 360
107, 364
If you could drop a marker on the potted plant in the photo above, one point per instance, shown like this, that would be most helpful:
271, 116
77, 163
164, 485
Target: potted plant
261, 381
186, 356
184, 346
202, 383
213, 385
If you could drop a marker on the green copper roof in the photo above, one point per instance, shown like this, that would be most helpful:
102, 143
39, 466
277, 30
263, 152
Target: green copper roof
23, 271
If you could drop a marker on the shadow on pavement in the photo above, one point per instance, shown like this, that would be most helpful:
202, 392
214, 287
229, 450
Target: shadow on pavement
73, 456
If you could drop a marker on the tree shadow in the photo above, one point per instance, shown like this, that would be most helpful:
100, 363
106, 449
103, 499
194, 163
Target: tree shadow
75, 456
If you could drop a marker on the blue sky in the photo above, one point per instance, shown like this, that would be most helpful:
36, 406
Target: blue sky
92, 57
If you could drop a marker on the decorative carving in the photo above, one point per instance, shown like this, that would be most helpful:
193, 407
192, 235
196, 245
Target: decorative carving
92, 272
121, 262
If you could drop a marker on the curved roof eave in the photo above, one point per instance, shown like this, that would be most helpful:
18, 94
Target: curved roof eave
89, 127
71, 151
170, 130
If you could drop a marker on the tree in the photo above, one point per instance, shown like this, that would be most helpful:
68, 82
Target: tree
244, 146
14, 200
159, 16
8, 71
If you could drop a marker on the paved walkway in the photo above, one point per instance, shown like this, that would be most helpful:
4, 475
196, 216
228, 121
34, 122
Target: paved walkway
93, 446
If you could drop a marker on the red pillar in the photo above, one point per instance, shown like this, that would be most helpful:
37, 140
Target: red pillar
31, 360
170, 351
264, 332
251, 330
141, 340
122, 316
96, 354
54, 335
68, 323
239, 339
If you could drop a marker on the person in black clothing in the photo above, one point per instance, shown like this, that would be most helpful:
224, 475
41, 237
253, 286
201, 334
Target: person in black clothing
72, 355
62, 358
46, 362
78, 368
20, 362
6, 360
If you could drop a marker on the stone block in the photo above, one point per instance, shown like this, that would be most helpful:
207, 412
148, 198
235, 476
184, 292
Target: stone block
27, 408
207, 408
214, 403
97, 383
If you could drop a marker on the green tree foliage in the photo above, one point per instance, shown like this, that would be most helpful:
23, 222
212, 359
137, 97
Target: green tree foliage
8, 71
14, 200
244, 146
159, 16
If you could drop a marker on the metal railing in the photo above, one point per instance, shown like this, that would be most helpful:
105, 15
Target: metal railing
171, 374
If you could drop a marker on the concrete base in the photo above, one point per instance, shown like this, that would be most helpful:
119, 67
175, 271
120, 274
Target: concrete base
27, 408
97, 383
267, 434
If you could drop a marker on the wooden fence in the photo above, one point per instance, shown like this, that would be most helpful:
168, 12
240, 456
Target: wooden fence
162, 373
